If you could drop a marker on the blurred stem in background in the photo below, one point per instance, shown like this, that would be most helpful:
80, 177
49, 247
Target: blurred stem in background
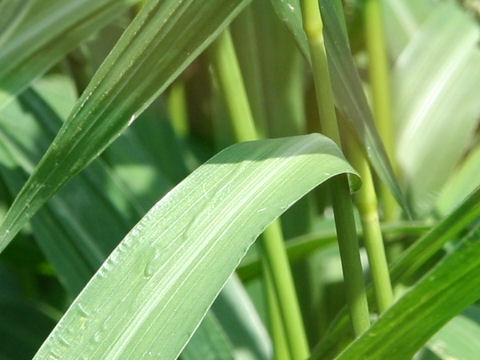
341, 198
278, 274
381, 93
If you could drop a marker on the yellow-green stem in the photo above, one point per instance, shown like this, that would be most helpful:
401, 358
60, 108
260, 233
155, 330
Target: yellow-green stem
367, 204
272, 245
381, 93
342, 202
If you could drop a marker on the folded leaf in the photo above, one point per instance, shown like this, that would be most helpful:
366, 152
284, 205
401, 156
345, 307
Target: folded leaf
165, 274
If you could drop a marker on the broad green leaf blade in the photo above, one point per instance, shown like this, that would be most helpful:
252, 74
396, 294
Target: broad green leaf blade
444, 292
441, 64
12, 13
459, 338
67, 229
42, 32
161, 41
165, 274
347, 87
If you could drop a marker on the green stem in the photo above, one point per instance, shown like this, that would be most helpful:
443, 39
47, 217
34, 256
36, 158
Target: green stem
272, 245
177, 104
367, 204
342, 202
381, 93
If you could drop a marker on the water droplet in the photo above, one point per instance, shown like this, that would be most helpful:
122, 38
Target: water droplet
291, 7
63, 341
153, 264
81, 310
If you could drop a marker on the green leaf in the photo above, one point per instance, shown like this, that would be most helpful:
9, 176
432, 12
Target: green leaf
209, 342
459, 338
241, 322
145, 63
461, 183
424, 248
441, 64
444, 292
72, 241
347, 87
463, 217
165, 274
403, 20
42, 32
302, 246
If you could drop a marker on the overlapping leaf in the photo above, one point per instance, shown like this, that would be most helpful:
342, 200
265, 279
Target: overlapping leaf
347, 87
156, 47
165, 274
404, 328
436, 122
36, 34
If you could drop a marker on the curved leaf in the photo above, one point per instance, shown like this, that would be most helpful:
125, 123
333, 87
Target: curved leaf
42, 32
165, 274
161, 41
347, 87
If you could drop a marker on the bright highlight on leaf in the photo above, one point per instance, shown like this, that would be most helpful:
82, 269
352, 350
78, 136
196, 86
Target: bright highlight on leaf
165, 274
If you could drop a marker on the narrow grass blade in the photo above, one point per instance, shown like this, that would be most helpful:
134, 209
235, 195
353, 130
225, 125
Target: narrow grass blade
347, 87
462, 218
42, 32
162, 40
166, 273
444, 292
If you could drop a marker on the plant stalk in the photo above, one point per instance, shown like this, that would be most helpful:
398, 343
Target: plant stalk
272, 245
367, 204
341, 198
381, 93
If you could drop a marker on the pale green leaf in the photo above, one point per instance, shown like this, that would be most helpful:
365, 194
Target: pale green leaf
151, 293
160, 42
403, 20
461, 183
441, 64
459, 338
